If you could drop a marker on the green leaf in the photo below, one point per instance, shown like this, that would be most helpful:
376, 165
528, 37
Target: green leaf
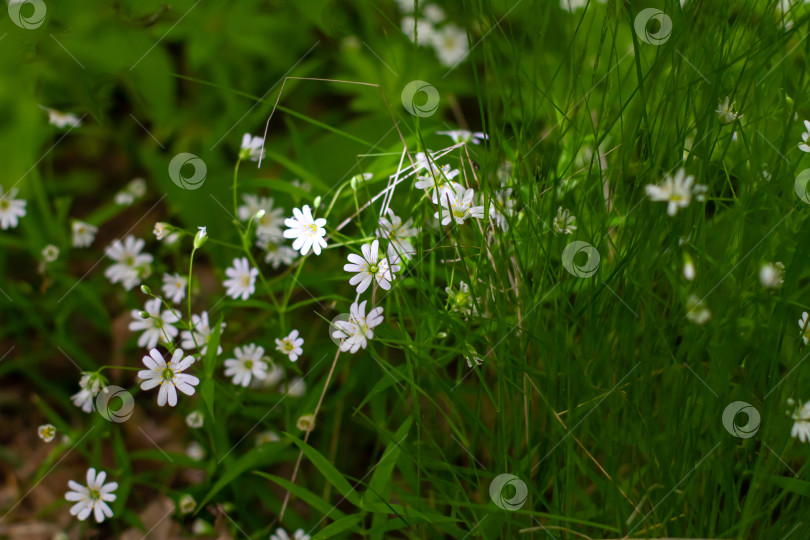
339, 526
256, 458
209, 365
378, 484
315, 501
332, 475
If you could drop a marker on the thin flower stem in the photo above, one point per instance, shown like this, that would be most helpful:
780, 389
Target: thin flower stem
190, 265
235, 174
306, 436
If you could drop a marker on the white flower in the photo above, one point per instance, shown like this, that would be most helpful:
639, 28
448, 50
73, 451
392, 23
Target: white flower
805, 327
169, 377
137, 186
433, 13
161, 230
564, 222
296, 388
803, 146
195, 451
291, 345
174, 287
242, 282
398, 233
440, 182
130, 265
194, 420
251, 147
202, 334
689, 270
281, 534
11, 209
356, 332
370, 267
60, 119
83, 234
308, 232
571, 5
406, 6
134, 190
458, 206
50, 253
46, 432
771, 275
157, 328
451, 45
461, 300
677, 191
271, 378
726, 113
266, 437
801, 422
247, 364
124, 198
696, 310
90, 384
269, 225
92, 498
465, 136
423, 29
186, 504
501, 206
276, 253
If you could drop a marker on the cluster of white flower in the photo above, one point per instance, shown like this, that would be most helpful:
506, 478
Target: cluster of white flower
429, 28
677, 191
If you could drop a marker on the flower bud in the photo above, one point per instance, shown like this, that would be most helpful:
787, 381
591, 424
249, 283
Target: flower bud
145, 289
201, 238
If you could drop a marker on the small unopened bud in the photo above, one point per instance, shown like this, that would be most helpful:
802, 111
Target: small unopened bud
201, 238
260, 214
306, 422
144, 314
145, 289
317, 203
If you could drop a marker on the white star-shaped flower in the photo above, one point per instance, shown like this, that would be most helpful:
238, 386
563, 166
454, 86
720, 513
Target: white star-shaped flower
201, 336
130, 265
157, 328
677, 191
83, 233
307, 231
11, 209
249, 363
242, 279
92, 498
174, 287
251, 147
458, 206
803, 146
291, 345
356, 332
801, 422
370, 267
465, 136
169, 377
